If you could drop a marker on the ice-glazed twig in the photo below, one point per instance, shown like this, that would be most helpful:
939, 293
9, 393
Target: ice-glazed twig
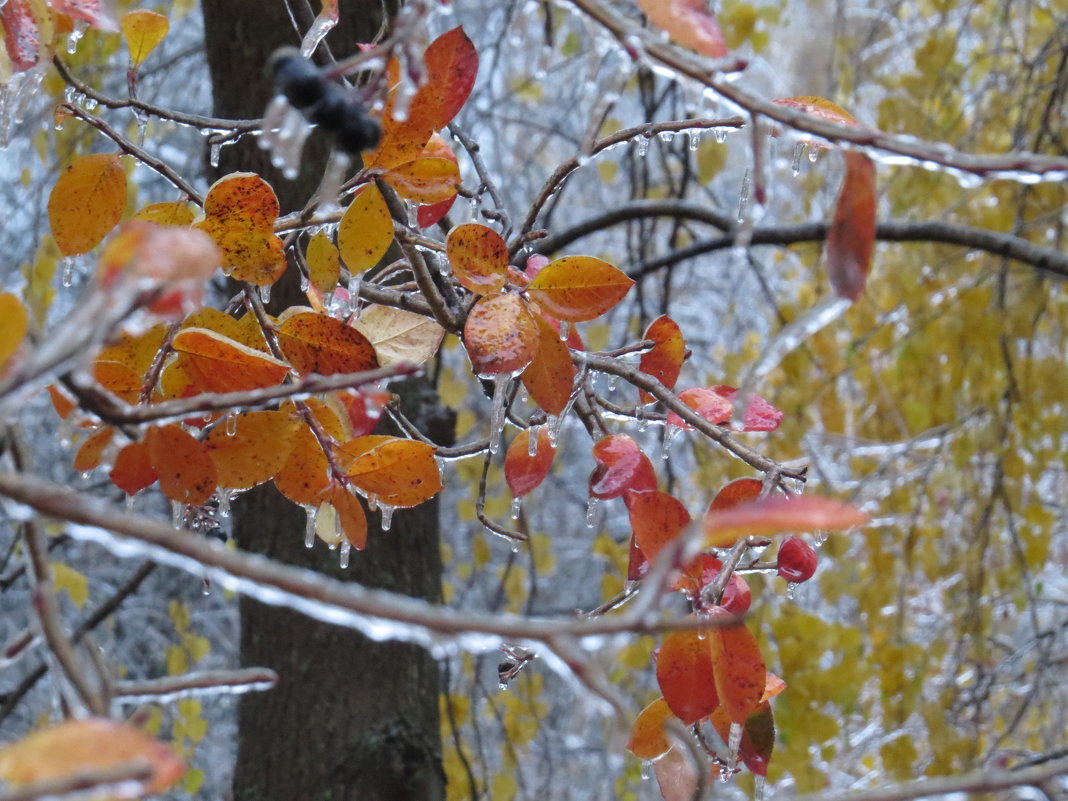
201, 682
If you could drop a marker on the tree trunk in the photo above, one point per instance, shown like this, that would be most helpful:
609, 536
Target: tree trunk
351, 719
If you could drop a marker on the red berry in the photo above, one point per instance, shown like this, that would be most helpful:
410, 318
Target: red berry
797, 560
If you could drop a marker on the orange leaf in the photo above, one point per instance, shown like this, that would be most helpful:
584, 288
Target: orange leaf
176, 213
772, 515
758, 737
425, 180
772, 687
819, 107
119, 380
479, 258
524, 471
647, 737
186, 470
621, 466
501, 335
351, 517
86, 202
240, 211
166, 254
133, 470
13, 324
319, 343
741, 490
219, 364
706, 402
366, 230
579, 288
550, 377
92, 450
684, 672
143, 30
306, 475
63, 403
251, 448
664, 360
136, 351
399, 472
324, 262
851, 237
77, 746
739, 670
688, 23
656, 518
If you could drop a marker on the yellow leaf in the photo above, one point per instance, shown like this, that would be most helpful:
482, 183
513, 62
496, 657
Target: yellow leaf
86, 202
425, 180
70, 580
178, 213
324, 265
240, 211
143, 30
13, 324
366, 230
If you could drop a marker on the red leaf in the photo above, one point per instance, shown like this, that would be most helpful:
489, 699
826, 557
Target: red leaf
92, 11
664, 360
621, 466
741, 490
772, 515
522, 471
739, 669
133, 470
759, 414
706, 402
501, 335
433, 213
685, 673
22, 37
656, 518
688, 23
549, 378
851, 237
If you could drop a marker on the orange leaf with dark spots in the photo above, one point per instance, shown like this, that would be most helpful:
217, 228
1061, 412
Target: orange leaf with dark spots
479, 258
647, 737
851, 237
621, 466
240, 212
501, 335
87, 202
425, 180
550, 377
664, 360
579, 288
522, 471
319, 343
399, 472
306, 475
656, 518
216, 363
685, 675
133, 470
186, 470
773, 515
252, 448
739, 669
118, 379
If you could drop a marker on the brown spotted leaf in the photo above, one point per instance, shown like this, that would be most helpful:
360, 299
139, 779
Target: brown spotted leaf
479, 258
579, 288
319, 343
240, 211
739, 670
219, 364
399, 472
685, 675
656, 518
306, 475
186, 470
501, 335
252, 448
87, 202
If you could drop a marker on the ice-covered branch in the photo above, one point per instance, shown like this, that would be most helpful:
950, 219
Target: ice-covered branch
201, 682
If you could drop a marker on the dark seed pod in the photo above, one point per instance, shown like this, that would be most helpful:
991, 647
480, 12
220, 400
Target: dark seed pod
296, 77
330, 110
358, 131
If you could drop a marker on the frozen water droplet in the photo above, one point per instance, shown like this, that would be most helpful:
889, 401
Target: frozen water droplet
647, 769
177, 514
213, 154
387, 516
142, 126
693, 140
611, 381
231, 425
591, 511
265, 293
639, 415
343, 553
799, 151
502, 686
309, 526
68, 94
86, 475
791, 590
73, 38
552, 425
517, 507
743, 197
90, 104
721, 135
355, 281
130, 502
759, 787
372, 502
565, 330
666, 136
68, 264
497, 417
813, 154
643, 146
305, 283
670, 436
223, 510
532, 442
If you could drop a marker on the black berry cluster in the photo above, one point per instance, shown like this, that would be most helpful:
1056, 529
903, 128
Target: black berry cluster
322, 101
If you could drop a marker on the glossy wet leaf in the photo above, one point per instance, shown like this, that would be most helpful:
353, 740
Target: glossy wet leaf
143, 30
621, 466
319, 343
366, 230
522, 471
664, 360
91, 452
118, 379
87, 202
819, 107
240, 212
501, 335
185, 467
656, 518
252, 448
689, 23
133, 470
684, 673
431, 214
676, 775
306, 475
350, 517
14, 323
425, 180
324, 262
851, 237
399, 336
579, 288
706, 402
399, 472
219, 364
175, 213
739, 670
773, 515
550, 377
28, 32
739, 491
77, 746
647, 737
479, 258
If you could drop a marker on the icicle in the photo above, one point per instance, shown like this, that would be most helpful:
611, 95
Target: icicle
90, 104
177, 514
73, 38
309, 527
647, 770
693, 140
813, 155
130, 502
532, 442
791, 590
565, 330
552, 425
743, 198
305, 283
69, 264
517, 507
643, 146
372, 502
213, 154
323, 24
639, 415
223, 510
799, 151
721, 135
142, 125
231, 425
611, 381
670, 436
265, 293
355, 281
497, 416
759, 785
591, 511
343, 553
734, 742
666, 136
387, 515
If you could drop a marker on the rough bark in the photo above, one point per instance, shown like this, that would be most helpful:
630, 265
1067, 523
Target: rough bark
351, 718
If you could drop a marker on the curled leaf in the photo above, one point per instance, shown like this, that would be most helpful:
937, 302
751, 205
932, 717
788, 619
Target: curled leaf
647, 737
851, 237
219, 364
621, 466
773, 515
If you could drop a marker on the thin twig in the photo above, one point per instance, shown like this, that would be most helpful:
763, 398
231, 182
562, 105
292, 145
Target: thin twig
201, 682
